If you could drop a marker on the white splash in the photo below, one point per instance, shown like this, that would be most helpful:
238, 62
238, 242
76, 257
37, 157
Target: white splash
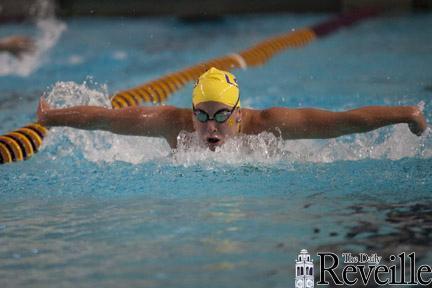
68, 94
265, 149
97, 146
49, 30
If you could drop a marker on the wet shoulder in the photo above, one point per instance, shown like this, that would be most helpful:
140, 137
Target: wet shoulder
252, 120
176, 120
257, 121
185, 116
181, 118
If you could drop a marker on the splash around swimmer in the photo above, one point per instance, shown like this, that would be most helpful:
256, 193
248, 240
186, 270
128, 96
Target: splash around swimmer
216, 116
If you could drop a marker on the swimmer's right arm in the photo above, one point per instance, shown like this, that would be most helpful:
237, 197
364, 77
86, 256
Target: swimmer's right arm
160, 121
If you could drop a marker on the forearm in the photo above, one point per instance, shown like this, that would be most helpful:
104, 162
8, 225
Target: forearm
82, 117
143, 121
369, 118
317, 123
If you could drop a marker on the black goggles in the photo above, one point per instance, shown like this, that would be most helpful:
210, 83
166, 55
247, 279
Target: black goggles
219, 116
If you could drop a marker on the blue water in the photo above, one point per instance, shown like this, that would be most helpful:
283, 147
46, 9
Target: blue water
109, 211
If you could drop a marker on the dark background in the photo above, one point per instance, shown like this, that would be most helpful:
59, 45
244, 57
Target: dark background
17, 10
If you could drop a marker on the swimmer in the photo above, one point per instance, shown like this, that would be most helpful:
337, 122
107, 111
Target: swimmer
216, 116
17, 45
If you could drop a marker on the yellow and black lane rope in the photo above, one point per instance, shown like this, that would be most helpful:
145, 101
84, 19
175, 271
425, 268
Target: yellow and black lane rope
159, 90
24, 142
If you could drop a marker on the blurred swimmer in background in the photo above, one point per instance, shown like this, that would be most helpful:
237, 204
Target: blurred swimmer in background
216, 116
17, 45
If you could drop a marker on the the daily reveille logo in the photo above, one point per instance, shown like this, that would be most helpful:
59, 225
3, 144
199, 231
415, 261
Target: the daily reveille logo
348, 269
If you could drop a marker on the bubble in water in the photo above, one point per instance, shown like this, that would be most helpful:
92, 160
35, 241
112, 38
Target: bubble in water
421, 105
75, 60
119, 55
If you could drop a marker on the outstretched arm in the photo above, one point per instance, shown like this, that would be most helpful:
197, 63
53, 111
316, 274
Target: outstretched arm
316, 123
161, 121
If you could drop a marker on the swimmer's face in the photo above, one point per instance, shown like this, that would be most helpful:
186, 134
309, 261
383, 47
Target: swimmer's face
212, 133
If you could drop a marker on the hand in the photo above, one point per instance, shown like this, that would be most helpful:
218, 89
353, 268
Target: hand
17, 45
417, 125
42, 111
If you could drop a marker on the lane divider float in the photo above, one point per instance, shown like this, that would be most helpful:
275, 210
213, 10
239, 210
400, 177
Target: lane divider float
159, 90
22, 143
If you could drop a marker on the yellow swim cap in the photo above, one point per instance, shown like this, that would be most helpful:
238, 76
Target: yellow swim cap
218, 86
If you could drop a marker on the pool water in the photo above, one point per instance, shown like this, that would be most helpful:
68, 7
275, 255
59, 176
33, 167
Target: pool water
104, 210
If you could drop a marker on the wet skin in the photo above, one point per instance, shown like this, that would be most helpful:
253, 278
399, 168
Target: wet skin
168, 121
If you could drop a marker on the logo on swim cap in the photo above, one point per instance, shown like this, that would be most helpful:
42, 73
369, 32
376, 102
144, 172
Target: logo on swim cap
218, 86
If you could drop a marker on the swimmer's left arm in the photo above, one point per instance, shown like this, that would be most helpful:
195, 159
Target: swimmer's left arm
315, 123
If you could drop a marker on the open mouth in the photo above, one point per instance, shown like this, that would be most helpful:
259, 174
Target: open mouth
213, 140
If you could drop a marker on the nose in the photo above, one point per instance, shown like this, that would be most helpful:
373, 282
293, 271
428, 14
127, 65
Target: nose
211, 126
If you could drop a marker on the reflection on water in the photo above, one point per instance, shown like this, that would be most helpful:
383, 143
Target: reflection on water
182, 242
392, 229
